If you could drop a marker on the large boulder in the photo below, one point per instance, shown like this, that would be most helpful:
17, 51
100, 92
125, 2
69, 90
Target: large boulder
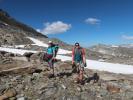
28, 55
11, 92
37, 57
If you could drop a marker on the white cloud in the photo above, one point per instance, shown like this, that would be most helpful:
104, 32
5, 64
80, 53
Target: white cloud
55, 27
93, 21
127, 37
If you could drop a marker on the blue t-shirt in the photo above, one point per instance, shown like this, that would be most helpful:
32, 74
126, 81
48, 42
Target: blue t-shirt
50, 50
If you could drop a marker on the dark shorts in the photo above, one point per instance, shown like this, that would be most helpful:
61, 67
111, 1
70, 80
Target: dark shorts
47, 57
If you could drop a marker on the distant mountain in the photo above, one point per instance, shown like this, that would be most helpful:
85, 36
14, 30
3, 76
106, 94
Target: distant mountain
126, 45
114, 50
14, 32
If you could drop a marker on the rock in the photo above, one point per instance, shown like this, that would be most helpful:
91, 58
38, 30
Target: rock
11, 92
2, 88
21, 70
21, 98
3, 52
20, 87
7, 61
63, 86
113, 89
108, 78
65, 67
36, 57
49, 91
16, 78
129, 95
12, 98
79, 89
35, 74
41, 86
103, 93
28, 55
9, 55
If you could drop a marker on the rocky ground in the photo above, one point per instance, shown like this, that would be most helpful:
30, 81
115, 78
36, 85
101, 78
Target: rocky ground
29, 81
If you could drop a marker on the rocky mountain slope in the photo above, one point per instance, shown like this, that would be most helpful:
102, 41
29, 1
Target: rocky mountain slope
14, 32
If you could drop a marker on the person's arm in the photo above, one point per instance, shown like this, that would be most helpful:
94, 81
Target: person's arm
84, 56
73, 56
54, 52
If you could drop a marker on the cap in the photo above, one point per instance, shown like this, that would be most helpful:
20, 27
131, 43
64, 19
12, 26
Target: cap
76, 44
50, 42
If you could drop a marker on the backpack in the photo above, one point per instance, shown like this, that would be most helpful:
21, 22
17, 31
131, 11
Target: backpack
56, 49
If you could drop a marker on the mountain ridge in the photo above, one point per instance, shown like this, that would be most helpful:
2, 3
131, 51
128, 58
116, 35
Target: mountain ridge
6, 18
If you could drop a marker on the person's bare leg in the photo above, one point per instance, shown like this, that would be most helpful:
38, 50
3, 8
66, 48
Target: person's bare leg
53, 68
78, 67
81, 74
51, 75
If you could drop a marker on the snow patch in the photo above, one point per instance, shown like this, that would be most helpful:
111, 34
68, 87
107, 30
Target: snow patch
91, 64
16, 51
37, 42
40, 43
115, 46
104, 66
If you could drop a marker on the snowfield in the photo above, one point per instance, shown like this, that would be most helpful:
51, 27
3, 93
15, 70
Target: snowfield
40, 43
91, 64
110, 67
104, 66
16, 51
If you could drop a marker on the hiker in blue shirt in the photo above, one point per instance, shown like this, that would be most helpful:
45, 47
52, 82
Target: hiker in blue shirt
50, 55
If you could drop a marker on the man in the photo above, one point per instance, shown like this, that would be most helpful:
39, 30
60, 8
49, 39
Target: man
50, 56
79, 60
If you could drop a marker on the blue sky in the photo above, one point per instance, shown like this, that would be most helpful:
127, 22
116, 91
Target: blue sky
88, 22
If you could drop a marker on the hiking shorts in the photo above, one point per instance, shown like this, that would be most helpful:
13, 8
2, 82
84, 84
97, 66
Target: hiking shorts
47, 57
81, 64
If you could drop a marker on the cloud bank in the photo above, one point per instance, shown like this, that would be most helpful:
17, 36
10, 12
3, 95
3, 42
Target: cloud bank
127, 37
55, 28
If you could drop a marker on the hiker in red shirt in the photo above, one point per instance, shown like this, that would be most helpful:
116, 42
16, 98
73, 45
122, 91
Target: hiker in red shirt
79, 61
